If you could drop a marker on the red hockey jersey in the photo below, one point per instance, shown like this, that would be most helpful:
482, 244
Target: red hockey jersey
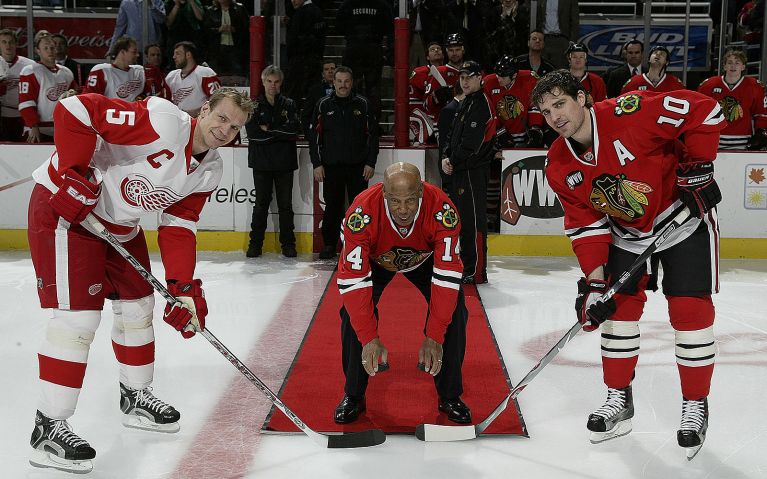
512, 105
451, 75
594, 86
370, 235
419, 78
623, 190
642, 83
744, 107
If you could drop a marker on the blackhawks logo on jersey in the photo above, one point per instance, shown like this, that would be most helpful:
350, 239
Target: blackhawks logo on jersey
620, 197
508, 107
447, 217
731, 108
401, 258
357, 220
627, 104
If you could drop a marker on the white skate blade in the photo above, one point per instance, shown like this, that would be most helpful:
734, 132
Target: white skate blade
620, 429
47, 460
692, 451
139, 422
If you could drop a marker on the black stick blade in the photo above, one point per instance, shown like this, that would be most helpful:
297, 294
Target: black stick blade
371, 437
419, 433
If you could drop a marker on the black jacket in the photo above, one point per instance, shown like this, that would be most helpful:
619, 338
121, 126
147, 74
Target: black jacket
615, 78
306, 32
343, 131
315, 93
471, 139
364, 21
275, 148
523, 63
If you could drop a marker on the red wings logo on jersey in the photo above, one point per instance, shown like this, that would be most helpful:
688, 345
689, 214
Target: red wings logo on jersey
508, 107
402, 259
129, 87
357, 220
11, 84
628, 104
139, 192
53, 93
731, 108
619, 197
181, 93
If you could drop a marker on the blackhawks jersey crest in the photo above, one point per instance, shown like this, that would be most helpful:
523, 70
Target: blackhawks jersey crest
358, 220
617, 196
628, 104
447, 217
401, 258
731, 108
508, 107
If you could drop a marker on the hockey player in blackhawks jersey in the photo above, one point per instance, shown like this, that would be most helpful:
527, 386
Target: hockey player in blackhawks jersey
408, 226
120, 160
743, 103
656, 78
621, 173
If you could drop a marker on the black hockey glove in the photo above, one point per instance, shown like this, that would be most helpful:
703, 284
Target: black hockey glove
758, 141
697, 187
443, 95
535, 138
590, 310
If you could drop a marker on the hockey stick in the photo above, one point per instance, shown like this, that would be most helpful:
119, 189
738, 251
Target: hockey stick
436, 432
370, 437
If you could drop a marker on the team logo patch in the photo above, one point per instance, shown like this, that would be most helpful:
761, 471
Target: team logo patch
447, 217
139, 192
508, 107
620, 197
94, 289
357, 220
39, 283
53, 93
357, 112
628, 104
731, 108
402, 259
129, 87
181, 93
574, 179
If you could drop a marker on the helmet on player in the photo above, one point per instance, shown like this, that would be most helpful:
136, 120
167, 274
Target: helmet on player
454, 40
505, 66
576, 47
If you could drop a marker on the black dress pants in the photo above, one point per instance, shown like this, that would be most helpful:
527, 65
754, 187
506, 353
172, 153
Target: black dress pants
282, 181
340, 181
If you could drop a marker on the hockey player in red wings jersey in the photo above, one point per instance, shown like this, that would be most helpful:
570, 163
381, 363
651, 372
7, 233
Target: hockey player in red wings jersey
619, 185
403, 226
122, 78
743, 103
120, 160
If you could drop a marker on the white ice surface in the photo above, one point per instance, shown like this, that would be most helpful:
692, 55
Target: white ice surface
529, 302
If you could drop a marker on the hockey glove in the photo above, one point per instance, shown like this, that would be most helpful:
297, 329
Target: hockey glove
535, 138
758, 141
190, 307
443, 95
697, 187
76, 197
590, 309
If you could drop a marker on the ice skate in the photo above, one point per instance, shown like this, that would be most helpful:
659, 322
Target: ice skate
56, 446
144, 411
692, 431
613, 419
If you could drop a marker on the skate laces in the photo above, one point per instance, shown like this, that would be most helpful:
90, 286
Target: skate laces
62, 430
144, 397
693, 414
616, 401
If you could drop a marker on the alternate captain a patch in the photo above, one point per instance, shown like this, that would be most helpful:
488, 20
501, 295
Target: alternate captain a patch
357, 220
447, 217
628, 104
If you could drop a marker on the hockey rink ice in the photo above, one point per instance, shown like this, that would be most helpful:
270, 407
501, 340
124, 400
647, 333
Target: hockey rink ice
260, 308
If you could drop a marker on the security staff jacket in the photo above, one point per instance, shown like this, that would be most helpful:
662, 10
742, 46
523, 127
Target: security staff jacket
344, 132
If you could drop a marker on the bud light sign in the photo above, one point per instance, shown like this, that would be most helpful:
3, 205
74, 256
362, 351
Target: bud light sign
604, 43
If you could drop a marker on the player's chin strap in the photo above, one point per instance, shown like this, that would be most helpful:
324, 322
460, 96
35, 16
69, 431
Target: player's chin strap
435, 432
370, 437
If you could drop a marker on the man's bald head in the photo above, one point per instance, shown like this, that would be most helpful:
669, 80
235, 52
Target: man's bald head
403, 190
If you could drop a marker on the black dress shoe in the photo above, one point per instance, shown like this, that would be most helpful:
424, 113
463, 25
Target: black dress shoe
328, 252
289, 251
456, 410
349, 409
253, 251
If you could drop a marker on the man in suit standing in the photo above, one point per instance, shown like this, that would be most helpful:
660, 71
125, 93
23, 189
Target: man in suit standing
615, 78
558, 20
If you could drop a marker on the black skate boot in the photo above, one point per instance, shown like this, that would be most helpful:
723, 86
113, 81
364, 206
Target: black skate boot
613, 419
692, 432
144, 411
56, 446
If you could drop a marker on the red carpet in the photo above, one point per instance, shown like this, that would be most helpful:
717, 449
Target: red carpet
399, 399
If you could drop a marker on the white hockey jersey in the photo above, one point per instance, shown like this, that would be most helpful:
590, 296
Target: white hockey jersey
143, 151
191, 91
10, 100
113, 82
39, 90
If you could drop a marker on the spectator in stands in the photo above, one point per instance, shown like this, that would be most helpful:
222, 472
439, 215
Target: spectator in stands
184, 23
272, 155
191, 84
577, 57
11, 124
41, 85
507, 27
534, 60
366, 25
469, 19
305, 43
226, 26
615, 78
154, 71
560, 23
62, 58
656, 78
316, 92
428, 19
421, 123
343, 145
130, 21
121, 78
743, 103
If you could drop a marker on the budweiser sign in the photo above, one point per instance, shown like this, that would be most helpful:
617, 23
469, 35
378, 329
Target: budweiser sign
86, 37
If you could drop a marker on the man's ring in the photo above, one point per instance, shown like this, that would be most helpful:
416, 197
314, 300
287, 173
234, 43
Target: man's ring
364, 361
439, 360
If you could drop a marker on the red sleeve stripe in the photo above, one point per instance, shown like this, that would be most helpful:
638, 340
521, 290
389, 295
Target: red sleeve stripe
715, 117
170, 220
347, 285
134, 355
597, 228
64, 373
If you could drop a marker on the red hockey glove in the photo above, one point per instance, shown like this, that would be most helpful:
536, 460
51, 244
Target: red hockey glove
191, 307
76, 197
697, 187
590, 310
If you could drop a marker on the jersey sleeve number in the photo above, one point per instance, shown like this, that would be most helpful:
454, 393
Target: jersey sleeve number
24, 87
121, 117
92, 80
674, 105
447, 256
355, 258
